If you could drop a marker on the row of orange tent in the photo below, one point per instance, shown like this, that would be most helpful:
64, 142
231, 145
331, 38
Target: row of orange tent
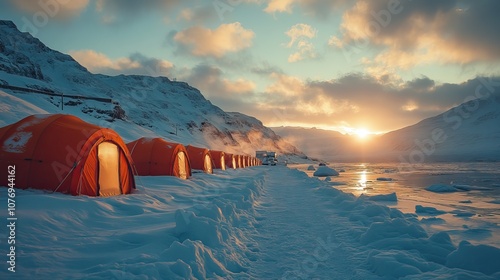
156, 156
62, 153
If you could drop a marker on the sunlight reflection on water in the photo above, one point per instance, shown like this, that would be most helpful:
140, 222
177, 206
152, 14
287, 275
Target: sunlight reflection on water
362, 181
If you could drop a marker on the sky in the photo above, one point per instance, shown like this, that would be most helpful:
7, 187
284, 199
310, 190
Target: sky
347, 65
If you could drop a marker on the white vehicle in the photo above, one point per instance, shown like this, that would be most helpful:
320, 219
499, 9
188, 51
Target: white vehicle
265, 161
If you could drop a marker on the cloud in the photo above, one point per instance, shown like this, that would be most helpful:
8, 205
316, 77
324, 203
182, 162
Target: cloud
279, 6
355, 100
409, 33
316, 8
299, 36
299, 31
113, 11
266, 69
200, 14
136, 64
210, 80
58, 9
421, 84
285, 85
205, 42
304, 50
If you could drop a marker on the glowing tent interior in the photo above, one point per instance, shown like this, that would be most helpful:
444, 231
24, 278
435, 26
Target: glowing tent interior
218, 158
65, 154
200, 159
230, 161
156, 157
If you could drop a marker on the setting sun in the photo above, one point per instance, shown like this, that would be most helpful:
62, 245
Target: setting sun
362, 133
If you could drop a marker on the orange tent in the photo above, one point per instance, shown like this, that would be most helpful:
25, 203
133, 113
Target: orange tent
245, 161
200, 158
242, 161
218, 159
156, 157
230, 161
65, 154
237, 158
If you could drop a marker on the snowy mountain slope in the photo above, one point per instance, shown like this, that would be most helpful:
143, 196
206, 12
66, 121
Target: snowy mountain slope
157, 105
468, 132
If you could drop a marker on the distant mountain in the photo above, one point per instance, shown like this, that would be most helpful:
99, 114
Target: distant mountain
159, 106
468, 132
316, 143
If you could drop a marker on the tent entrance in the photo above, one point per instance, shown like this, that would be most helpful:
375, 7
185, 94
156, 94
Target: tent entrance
208, 164
181, 164
109, 169
222, 163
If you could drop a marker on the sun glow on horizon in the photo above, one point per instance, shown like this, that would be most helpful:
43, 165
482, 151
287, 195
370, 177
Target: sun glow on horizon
362, 133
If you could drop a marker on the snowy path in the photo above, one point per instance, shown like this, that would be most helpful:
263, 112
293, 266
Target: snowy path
299, 235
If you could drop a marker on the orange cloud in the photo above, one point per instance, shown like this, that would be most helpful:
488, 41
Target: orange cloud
298, 31
224, 39
279, 6
210, 80
413, 33
97, 62
321, 8
285, 85
239, 86
299, 35
59, 9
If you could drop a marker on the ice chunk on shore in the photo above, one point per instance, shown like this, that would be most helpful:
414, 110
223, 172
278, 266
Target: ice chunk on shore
438, 188
324, 171
384, 179
425, 210
482, 258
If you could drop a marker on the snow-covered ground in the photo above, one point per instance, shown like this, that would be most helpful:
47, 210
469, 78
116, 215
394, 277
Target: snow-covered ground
254, 223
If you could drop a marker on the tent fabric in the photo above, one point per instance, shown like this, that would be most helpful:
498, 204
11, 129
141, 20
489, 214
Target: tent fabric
245, 161
200, 159
218, 158
157, 157
242, 161
65, 154
238, 161
230, 161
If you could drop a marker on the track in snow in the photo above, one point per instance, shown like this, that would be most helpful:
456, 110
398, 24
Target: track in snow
300, 236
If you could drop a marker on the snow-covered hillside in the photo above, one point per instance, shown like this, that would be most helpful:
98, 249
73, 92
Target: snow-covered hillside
155, 106
468, 132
